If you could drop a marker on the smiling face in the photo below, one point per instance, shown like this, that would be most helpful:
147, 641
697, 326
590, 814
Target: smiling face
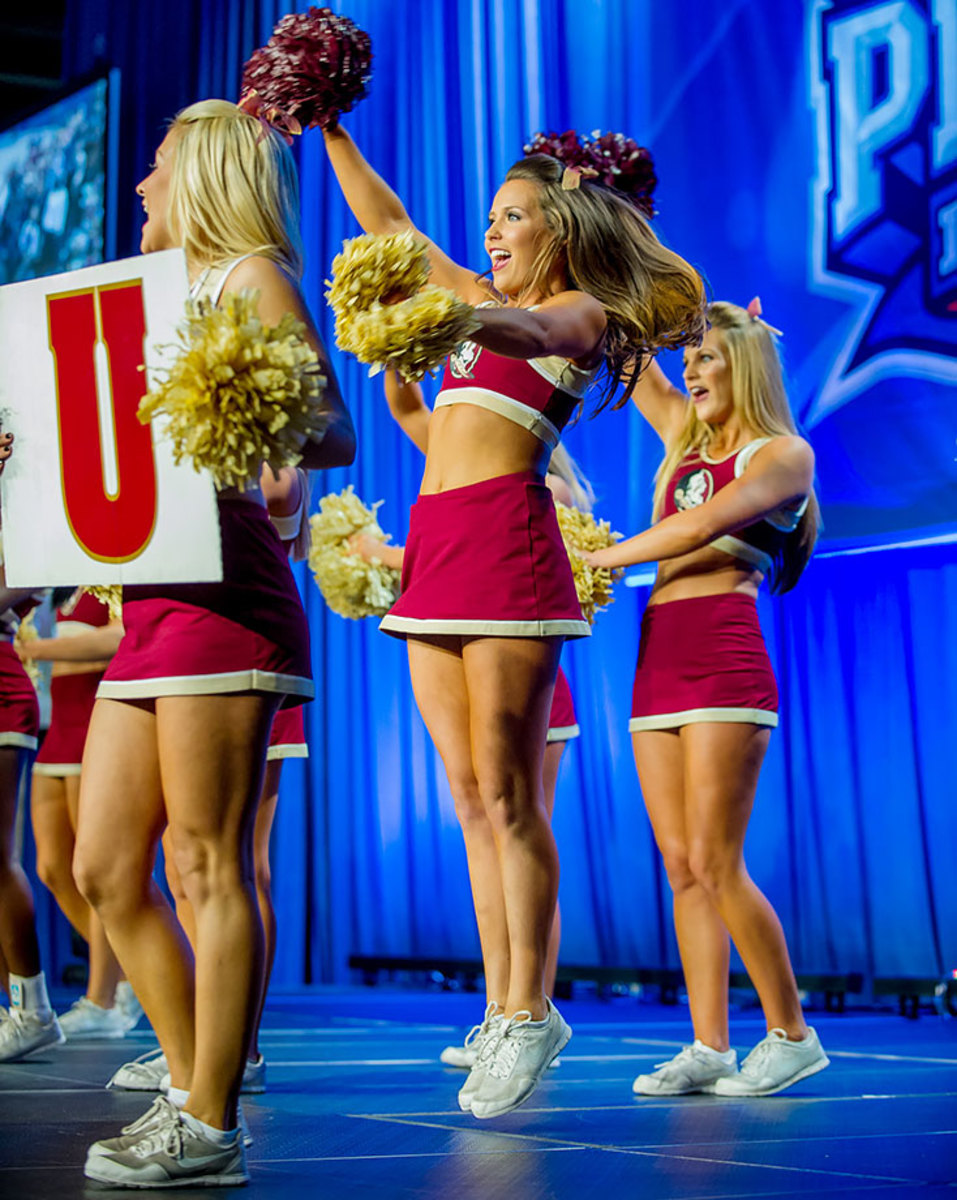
707, 376
154, 192
516, 233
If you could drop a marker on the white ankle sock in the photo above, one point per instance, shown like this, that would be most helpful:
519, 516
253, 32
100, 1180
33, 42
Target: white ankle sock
177, 1096
219, 1137
28, 993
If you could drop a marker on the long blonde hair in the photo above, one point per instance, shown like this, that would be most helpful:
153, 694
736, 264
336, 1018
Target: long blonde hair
652, 298
760, 399
570, 473
234, 188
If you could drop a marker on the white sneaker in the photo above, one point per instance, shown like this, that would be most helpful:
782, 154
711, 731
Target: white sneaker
466, 1054
521, 1055
483, 1058
254, 1076
154, 1116
124, 999
694, 1069
84, 1021
168, 1153
774, 1064
23, 1033
143, 1074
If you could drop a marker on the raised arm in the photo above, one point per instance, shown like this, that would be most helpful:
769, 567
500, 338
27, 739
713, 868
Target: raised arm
570, 325
379, 210
278, 296
409, 409
780, 474
662, 405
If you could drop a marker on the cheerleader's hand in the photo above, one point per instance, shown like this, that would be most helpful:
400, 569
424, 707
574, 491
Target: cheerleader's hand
595, 558
366, 547
6, 449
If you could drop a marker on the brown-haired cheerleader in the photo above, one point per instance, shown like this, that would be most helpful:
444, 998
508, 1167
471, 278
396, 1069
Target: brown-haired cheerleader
734, 505
487, 591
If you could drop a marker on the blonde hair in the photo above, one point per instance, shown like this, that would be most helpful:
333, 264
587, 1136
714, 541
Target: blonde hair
570, 473
652, 298
234, 188
760, 399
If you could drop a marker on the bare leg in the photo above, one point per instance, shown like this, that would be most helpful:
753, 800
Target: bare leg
18, 934
184, 910
211, 751
53, 832
509, 685
553, 759
438, 681
703, 941
121, 818
265, 815
722, 763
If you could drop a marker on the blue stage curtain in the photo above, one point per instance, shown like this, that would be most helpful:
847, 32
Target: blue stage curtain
855, 823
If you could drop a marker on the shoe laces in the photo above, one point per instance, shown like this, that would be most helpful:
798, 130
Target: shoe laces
152, 1114
685, 1054
478, 1033
509, 1043
166, 1136
764, 1050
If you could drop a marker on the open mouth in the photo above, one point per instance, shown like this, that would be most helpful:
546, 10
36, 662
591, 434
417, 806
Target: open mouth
499, 259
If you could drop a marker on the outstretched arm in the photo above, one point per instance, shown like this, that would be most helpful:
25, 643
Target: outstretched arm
663, 406
781, 473
95, 646
278, 295
379, 210
369, 548
570, 325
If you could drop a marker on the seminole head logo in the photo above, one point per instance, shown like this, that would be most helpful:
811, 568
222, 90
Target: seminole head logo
883, 80
693, 489
463, 358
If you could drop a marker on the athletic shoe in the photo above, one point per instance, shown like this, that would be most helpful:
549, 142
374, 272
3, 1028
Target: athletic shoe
476, 1073
694, 1069
254, 1076
154, 1116
774, 1064
143, 1074
171, 1153
85, 1021
124, 999
521, 1055
466, 1054
23, 1033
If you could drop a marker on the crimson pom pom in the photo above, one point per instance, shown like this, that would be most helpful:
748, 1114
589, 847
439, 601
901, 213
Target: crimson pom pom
620, 162
315, 66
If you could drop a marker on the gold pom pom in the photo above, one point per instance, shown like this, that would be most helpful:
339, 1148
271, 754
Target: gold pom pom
239, 392
110, 594
350, 586
580, 531
27, 632
413, 335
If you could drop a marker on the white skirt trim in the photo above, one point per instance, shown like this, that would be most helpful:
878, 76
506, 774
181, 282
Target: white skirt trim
287, 750
564, 627
563, 733
23, 741
56, 770
250, 680
700, 716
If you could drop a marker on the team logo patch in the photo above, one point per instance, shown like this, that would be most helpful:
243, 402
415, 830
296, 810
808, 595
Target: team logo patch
693, 489
883, 80
463, 359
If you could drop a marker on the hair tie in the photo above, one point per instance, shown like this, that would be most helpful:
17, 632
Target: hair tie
572, 177
272, 120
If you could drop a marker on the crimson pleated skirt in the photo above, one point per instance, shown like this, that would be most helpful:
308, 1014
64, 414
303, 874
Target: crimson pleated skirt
487, 560
703, 659
19, 709
72, 698
245, 634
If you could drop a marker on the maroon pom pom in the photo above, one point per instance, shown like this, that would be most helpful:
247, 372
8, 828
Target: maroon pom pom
315, 66
620, 162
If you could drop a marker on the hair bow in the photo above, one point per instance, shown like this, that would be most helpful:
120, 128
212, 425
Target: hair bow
572, 177
273, 120
754, 311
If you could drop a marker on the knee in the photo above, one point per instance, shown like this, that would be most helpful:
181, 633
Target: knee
468, 802
207, 867
713, 867
52, 871
674, 856
263, 875
104, 880
512, 805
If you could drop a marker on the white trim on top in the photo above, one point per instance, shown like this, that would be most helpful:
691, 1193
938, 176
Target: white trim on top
505, 406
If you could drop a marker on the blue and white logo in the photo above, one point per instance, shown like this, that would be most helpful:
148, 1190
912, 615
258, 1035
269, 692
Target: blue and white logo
883, 83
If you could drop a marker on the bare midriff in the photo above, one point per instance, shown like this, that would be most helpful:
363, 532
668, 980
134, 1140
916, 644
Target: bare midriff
704, 572
468, 444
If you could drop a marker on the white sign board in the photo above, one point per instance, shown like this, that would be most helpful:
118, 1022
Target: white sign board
90, 495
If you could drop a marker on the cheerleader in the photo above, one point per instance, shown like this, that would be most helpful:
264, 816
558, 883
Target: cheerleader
734, 505
84, 641
182, 718
30, 1025
487, 591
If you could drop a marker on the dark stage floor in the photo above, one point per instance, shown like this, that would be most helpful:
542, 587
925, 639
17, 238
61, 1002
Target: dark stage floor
359, 1105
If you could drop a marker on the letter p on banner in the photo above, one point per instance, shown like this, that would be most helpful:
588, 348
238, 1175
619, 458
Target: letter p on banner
90, 494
